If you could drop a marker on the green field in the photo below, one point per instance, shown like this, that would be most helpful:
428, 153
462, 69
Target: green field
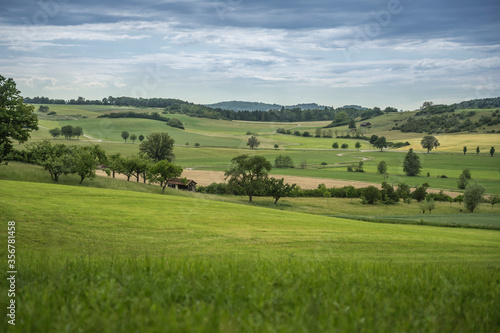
231, 135
108, 260
116, 256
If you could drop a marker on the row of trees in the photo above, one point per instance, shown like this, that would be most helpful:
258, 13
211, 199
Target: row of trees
67, 131
153, 163
125, 135
478, 150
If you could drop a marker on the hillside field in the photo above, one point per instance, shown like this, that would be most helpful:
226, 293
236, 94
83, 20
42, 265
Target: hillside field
116, 260
221, 140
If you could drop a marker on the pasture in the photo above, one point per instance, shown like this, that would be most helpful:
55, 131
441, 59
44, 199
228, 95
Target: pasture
116, 260
220, 140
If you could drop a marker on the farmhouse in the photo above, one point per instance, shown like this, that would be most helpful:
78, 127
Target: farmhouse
182, 184
365, 124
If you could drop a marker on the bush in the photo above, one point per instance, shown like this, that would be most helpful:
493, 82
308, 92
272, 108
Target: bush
176, 123
370, 195
283, 161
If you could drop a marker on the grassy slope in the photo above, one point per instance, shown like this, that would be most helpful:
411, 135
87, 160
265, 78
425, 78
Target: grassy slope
107, 260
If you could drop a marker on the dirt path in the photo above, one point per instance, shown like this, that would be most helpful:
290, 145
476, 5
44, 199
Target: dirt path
205, 178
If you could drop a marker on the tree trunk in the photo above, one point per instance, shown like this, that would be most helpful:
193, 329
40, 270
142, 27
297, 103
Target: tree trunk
81, 179
128, 178
276, 201
163, 189
250, 197
113, 173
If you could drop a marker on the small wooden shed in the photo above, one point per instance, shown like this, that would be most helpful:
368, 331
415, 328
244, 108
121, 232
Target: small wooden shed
182, 184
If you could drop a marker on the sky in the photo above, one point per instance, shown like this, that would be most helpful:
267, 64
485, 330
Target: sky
381, 53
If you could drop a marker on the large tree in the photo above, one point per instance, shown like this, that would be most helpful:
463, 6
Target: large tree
277, 188
125, 136
411, 164
248, 174
114, 163
77, 131
56, 159
381, 143
373, 138
162, 172
253, 142
158, 146
382, 167
55, 132
133, 137
67, 131
429, 142
17, 119
473, 196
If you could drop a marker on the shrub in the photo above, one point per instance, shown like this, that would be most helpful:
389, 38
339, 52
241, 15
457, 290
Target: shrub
371, 194
283, 161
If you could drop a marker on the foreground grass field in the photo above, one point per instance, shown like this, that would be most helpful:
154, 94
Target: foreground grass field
107, 260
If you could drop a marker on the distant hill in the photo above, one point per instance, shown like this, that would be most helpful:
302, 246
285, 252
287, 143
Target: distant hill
244, 106
258, 106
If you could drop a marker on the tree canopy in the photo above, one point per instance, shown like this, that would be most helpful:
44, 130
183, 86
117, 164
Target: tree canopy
381, 143
253, 142
248, 174
17, 119
162, 172
158, 146
473, 196
429, 142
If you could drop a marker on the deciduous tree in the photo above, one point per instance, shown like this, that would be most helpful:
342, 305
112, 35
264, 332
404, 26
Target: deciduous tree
248, 174
381, 143
55, 132
429, 142
382, 167
133, 137
162, 172
371, 194
277, 188
473, 196
125, 136
158, 147
77, 131
253, 142
67, 131
17, 119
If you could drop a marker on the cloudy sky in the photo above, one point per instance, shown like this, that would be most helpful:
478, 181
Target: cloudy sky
332, 52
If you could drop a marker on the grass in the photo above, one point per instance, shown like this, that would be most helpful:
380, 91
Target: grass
106, 260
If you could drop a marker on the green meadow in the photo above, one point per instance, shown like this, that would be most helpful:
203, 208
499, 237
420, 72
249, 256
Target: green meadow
111, 260
221, 140
116, 256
